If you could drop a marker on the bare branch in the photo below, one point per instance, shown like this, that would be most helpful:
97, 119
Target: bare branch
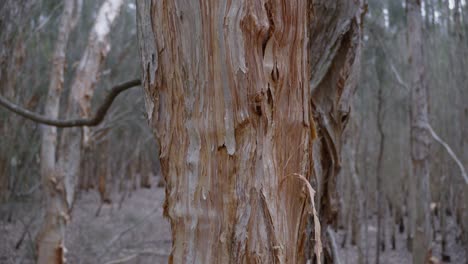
449, 150
94, 121
389, 59
398, 77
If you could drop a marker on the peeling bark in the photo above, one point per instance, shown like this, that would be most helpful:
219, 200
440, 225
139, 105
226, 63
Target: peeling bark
81, 93
229, 98
334, 59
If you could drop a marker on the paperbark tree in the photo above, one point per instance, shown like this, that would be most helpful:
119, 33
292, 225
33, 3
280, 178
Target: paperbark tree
60, 174
241, 96
81, 93
420, 136
50, 247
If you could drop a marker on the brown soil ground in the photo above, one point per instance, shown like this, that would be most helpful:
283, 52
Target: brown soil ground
137, 233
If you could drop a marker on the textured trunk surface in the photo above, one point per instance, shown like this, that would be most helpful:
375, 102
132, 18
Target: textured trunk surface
334, 54
420, 137
230, 102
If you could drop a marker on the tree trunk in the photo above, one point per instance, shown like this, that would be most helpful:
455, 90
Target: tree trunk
379, 240
60, 177
81, 93
228, 98
420, 137
50, 240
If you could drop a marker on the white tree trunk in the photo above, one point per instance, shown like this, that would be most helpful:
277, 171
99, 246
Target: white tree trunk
60, 177
50, 244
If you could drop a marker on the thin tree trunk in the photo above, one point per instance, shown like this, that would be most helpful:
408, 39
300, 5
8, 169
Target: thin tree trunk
145, 171
420, 137
358, 215
228, 98
104, 171
394, 222
81, 93
459, 26
60, 177
366, 206
463, 212
411, 201
379, 172
427, 12
443, 227
379, 182
50, 240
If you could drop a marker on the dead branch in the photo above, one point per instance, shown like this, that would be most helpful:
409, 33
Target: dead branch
449, 150
94, 121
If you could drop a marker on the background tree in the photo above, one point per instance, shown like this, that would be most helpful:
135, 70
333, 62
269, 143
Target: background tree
60, 177
51, 248
420, 138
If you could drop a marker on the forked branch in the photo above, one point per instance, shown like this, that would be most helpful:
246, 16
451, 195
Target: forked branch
93, 121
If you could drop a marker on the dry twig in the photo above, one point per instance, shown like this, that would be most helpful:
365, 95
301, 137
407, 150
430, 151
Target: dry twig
94, 121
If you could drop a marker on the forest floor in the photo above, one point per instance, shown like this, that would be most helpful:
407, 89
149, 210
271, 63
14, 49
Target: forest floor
138, 233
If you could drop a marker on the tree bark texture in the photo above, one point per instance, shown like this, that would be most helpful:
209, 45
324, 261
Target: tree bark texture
230, 100
420, 137
334, 55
